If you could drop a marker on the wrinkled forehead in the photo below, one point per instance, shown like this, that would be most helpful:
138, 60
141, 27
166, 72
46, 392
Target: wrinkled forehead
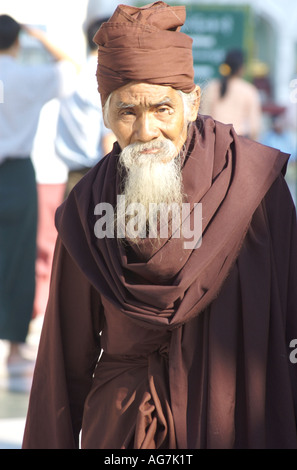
144, 95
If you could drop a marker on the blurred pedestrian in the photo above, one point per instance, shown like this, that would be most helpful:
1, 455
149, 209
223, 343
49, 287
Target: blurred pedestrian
26, 89
279, 136
51, 178
82, 138
233, 100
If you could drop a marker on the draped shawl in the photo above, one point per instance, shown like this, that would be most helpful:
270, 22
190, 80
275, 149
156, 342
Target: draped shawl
226, 309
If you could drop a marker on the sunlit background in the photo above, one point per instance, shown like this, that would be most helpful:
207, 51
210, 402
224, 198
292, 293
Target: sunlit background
266, 30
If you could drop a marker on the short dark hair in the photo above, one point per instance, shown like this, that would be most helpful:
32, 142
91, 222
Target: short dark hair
92, 30
9, 31
235, 60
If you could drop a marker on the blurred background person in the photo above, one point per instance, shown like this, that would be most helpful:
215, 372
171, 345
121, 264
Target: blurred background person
51, 178
76, 130
82, 139
232, 99
26, 90
278, 134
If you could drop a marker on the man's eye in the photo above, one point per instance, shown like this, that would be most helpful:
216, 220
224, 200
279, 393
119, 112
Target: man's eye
127, 112
165, 110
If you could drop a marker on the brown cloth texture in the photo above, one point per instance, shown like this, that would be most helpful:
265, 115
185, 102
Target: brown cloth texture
144, 44
195, 342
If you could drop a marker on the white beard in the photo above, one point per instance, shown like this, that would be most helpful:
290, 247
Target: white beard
151, 178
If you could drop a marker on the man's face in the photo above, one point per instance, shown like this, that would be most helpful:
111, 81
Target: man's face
150, 125
142, 113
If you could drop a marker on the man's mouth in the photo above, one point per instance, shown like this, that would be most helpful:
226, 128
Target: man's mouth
149, 151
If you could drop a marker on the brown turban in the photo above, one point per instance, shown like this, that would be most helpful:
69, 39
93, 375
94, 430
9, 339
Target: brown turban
144, 44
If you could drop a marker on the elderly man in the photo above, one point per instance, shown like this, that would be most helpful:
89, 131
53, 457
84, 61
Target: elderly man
150, 342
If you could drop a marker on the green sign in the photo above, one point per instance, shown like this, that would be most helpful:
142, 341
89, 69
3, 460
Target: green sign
215, 30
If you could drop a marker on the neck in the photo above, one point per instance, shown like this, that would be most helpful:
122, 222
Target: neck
12, 51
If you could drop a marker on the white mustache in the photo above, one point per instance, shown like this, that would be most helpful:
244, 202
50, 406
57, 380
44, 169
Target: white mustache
133, 153
154, 144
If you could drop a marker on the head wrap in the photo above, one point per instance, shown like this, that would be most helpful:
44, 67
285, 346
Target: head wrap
144, 44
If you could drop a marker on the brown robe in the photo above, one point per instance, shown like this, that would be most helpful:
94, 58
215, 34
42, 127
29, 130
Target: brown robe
196, 343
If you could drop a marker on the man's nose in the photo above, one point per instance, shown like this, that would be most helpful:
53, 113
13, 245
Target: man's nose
145, 128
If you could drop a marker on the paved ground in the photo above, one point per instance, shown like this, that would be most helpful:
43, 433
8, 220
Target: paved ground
15, 384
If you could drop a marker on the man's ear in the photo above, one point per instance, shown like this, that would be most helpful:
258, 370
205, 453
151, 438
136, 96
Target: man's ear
105, 121
193, 112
